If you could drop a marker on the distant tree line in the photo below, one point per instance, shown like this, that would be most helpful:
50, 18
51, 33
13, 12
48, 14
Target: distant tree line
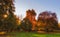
46, 21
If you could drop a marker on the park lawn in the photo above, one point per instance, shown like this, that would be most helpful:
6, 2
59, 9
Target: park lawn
32, 34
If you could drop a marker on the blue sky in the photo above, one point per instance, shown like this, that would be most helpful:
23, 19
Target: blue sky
38, 6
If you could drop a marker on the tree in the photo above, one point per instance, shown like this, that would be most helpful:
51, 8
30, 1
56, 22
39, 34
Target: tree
29, 21
26, 25
7, 17
49, 21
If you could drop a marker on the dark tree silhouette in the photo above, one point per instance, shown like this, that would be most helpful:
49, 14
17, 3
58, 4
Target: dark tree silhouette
26, 25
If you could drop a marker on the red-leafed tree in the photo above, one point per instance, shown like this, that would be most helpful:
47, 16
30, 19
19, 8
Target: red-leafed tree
47, 21
29, 22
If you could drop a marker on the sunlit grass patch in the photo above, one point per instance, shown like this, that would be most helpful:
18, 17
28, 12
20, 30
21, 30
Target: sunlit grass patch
39, 35
32, 34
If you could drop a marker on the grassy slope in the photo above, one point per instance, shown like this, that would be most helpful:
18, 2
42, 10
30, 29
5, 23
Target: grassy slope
30, 34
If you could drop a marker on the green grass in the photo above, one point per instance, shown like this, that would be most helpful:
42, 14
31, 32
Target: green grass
30, 34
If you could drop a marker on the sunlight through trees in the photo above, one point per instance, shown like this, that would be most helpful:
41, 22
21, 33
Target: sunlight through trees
47, 21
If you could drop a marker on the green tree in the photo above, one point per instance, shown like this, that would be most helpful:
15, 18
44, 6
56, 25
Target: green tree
26, 24
7, 17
